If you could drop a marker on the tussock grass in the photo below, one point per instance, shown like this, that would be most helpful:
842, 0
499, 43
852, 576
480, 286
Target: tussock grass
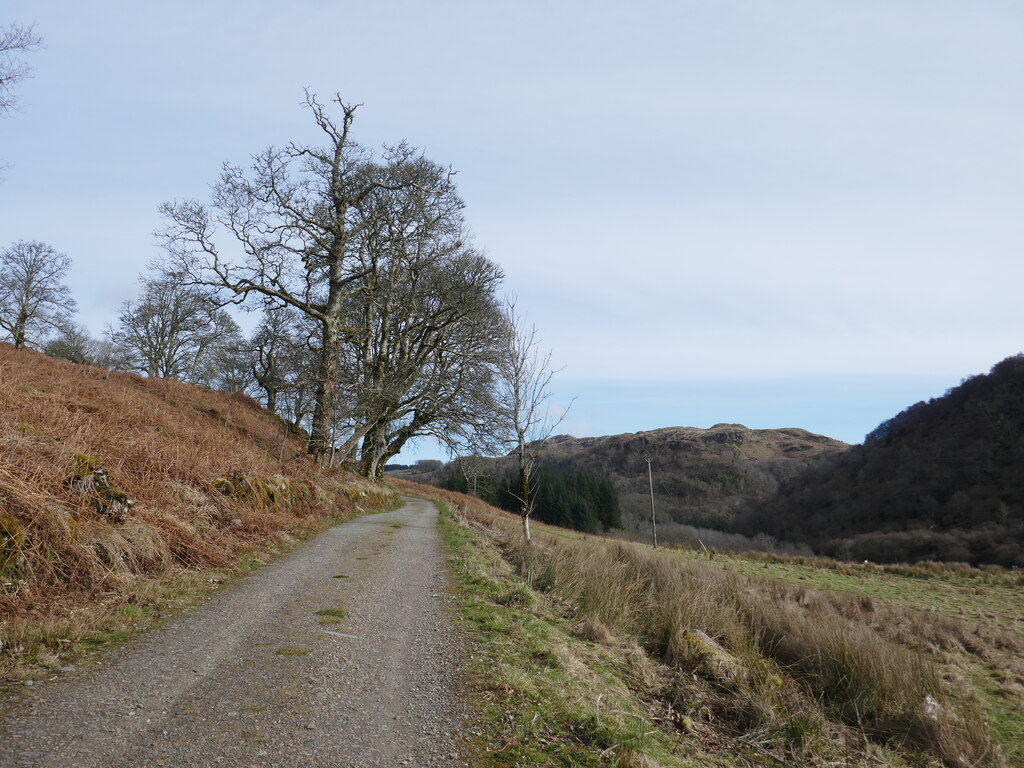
208, 476
791, 671
546, 697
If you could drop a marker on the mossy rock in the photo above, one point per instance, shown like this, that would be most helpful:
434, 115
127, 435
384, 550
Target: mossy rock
355, 495
84, 466
89, 477
274, 492
12, 539
297, 491
712, 661
369, 496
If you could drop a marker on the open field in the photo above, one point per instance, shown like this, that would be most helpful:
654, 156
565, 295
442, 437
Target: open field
969, 621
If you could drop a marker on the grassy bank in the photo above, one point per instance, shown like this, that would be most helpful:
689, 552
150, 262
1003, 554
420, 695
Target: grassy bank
38, 647
601, 653
123, 498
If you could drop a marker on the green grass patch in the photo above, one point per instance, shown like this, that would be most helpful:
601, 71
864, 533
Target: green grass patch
108, 638
340, 576
336, 613
1003, 709
291, 652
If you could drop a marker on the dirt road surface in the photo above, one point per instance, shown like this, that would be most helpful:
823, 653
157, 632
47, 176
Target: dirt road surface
256, 677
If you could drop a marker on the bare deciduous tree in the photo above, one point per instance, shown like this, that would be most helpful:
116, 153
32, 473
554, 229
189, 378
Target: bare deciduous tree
294, 216
174, 331
225, 364
75, 344
426, 365
278, 352
34, 301
523, 395
15, 42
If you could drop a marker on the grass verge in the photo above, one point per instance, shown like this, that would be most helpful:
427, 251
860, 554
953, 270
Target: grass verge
590, 652
545, 696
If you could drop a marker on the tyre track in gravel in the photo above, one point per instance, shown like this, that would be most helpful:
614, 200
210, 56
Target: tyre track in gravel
254, 677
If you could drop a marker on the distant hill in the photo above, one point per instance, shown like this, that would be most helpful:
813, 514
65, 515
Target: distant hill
702, 477
943, 480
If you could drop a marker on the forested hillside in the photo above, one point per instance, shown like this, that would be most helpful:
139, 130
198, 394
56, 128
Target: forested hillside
701, 476
943, 480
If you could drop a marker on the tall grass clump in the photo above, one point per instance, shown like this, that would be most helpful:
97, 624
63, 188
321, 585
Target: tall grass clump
771, 659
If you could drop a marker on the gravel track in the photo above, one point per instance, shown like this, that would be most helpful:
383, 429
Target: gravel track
254, 677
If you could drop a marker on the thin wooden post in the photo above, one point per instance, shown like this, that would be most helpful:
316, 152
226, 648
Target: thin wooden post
654, 524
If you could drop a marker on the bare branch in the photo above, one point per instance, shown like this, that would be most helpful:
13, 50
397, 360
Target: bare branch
15, 41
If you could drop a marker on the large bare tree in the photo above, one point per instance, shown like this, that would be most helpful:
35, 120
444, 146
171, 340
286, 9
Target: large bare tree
34, 300
292, 220
430, 366
279, 353
427, 318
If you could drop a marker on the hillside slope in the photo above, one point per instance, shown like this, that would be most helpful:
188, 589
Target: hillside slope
109, 478
943, 480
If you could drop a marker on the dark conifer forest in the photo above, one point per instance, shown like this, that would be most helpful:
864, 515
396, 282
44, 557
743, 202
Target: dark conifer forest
572, 499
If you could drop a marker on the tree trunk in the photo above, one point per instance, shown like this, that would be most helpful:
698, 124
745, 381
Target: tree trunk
524, 499
20, 330
374, 446
349, 450
389, 453
326, 392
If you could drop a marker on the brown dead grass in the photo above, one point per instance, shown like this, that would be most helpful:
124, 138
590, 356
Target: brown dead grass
212, 475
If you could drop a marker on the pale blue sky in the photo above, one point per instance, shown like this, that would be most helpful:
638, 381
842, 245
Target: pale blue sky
775, 213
